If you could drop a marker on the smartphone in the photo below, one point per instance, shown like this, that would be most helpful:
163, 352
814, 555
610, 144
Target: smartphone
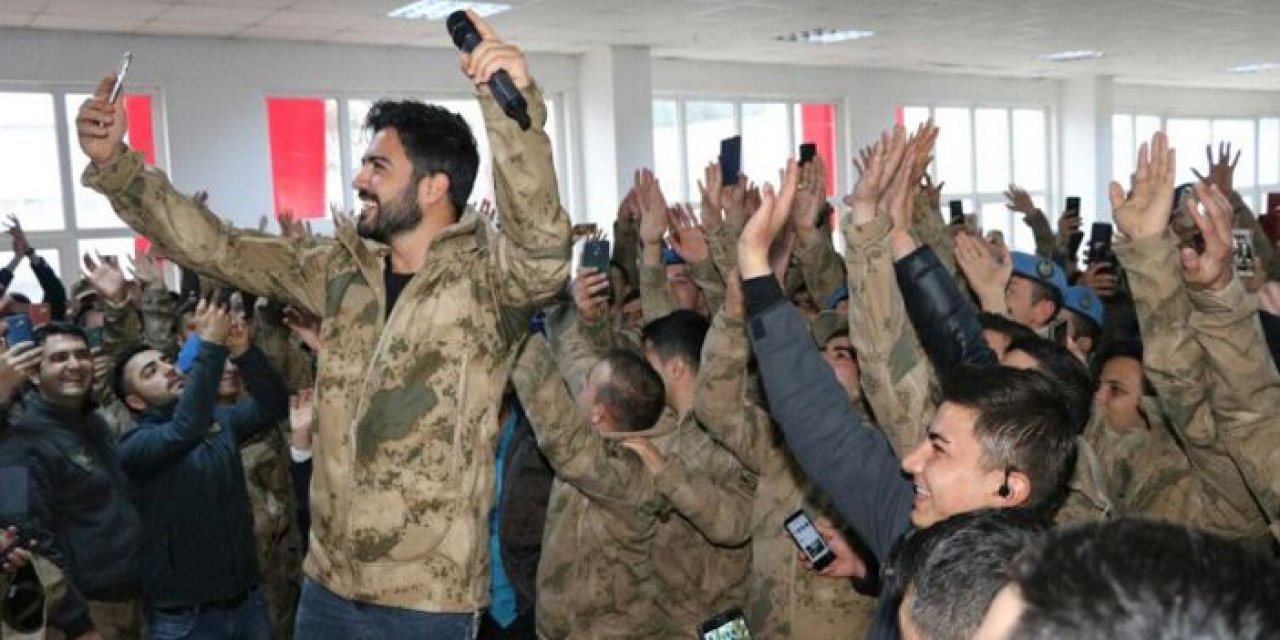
595, 254
1073, 206
810, 541
187, 355
120, 75
957, 212
730, 625
1242, 252
730, 160
93, 335
40, 314
1100, 244
20, 331
808, 151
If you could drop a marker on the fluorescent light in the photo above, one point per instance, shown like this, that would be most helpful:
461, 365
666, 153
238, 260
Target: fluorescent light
1255, 68
440, 9
826, 36
1073, 56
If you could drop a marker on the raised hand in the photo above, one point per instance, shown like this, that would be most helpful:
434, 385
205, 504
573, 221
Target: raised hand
302, 419
493, 55
291, 226
763, 227
1213, 269
146, 268
733, 199
877, 166
106, 277
653, 207
932, 191
987, 269
304, 325
811, 194
17, 364
711, 187
1222, 171
1101, 277
213, 322
1019, 200
20, 243
100, 125
687, 239
1145, 212
589, 295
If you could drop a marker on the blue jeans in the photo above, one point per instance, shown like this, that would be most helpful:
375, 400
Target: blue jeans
246, 622
323, 615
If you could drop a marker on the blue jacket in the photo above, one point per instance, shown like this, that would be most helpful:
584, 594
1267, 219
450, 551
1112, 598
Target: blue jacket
184, 460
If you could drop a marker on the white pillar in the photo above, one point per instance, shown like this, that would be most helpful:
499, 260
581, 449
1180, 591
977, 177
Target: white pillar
616, 99
1087, 107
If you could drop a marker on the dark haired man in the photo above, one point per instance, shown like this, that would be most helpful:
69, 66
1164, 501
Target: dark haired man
422, 308
199, 569
77, 501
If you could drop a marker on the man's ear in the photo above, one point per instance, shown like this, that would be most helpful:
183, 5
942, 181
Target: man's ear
135, 402
434, 189
1018, 491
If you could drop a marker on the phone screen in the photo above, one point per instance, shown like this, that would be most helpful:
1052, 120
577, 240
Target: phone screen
1242, 252
957, 212
808, 151
731, 159
731, 625
19, 330
1073, 206
807, 537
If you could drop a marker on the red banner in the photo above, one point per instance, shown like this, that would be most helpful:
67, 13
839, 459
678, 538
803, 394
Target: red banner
141, 126
296, 129
819, 127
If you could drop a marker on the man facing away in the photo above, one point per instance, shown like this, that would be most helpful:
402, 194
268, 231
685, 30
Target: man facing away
422, 306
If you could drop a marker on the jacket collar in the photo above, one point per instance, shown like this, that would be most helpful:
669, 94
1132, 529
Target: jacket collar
40, 413
370, 254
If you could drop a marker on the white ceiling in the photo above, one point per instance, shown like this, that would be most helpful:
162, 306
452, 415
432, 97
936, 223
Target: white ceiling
1184, 42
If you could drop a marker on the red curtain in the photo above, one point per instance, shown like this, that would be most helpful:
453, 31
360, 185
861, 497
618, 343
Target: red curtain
819, 127
141, 126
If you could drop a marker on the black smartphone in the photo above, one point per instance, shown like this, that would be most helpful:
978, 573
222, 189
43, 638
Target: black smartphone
808, 151
1100, 244
957, 212
19, 326
730, 160
730, 625
809, 539
595, 254
1073, 206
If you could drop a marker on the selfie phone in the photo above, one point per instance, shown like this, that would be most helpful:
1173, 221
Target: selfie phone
810, 541
1242, 252
957, 212
93, 335
1073, 206
808, 151
1100, 244
187, 355
595, 254
19, 329
124, 71
40, 314
730, 160
730, 625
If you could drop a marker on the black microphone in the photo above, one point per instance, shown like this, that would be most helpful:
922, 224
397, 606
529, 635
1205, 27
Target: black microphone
504, 90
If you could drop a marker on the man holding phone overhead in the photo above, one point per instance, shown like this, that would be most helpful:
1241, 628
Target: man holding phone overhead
423, 305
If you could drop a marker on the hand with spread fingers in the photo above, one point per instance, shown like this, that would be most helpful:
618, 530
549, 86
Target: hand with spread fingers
106, 277
1212, 269
1222, 171
686, 238
1019, 200
877, 166
986, 268
1145, 211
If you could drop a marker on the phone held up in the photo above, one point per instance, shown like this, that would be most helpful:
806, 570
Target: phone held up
595, 255
730, 160
120, 75
730, 625
809, 540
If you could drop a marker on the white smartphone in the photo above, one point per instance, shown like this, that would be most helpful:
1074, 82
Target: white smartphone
124, 70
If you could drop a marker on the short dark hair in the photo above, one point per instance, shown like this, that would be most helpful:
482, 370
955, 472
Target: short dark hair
634, 394
679, 334
119, 383
1004, 325
1133, 578
1041, 291
1066, 371
1022, 425
436, 141
60, 328
1083, 326
1113, 349
957, 566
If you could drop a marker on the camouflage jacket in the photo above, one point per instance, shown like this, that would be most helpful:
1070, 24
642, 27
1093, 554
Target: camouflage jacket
820, 269
1175, 363
403, 476
784, 600
656, 299
1244, 389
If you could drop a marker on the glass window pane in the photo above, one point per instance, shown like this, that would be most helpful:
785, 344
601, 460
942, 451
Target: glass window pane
766, 142
24, 280
32, 186
1023, 239
954, 150
1269, 151
666, 148
995, 217
1143, 128
1189, 136
359, 138
1239, 133
913, 117
93, 210
992, 137
1123, 147
705, 125
121, 248
470, 111
1030, 149
334, 189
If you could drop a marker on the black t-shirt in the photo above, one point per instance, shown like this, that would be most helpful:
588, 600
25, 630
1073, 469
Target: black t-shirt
395, 284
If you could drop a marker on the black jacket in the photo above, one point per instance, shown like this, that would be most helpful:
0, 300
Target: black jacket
526, 489
184, 460
847, 459
945, 323
77, 504
55, 295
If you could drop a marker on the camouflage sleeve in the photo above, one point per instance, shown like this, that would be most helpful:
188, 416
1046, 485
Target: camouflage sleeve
930, 228
1175, 363
724, 249
286, 356
896, 376
121, 327
708, 278
721, 403
1262, 246
1244, 388
159, 311
655, 296
532, 255
821, 269
191, 235
626, 250
709, 487
1046, 241
577, 347
598, 468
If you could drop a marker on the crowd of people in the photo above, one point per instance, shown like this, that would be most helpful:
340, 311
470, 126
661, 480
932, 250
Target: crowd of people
467, 435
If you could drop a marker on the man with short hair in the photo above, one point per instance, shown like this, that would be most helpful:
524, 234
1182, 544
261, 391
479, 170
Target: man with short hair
199, 565
423, 305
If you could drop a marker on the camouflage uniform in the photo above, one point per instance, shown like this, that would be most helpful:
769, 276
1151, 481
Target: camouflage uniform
820, 269
1046, 240
656, 298
1176, 366
403, 478
284, 352
784, 599
265, 459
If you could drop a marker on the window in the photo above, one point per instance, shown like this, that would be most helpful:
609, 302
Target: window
687, 135
316, 146
1257, 140
42, 184
980, 151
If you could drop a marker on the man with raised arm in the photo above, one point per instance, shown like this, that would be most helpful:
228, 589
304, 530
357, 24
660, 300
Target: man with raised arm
422, 305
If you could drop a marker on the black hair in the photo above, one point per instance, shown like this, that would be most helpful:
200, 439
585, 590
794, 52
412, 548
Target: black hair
20, 298
435, 140
631, 296
1067, 372
634, 394
1111, 350
119, 384
60, 328
1041, 291
1134, 578
955, 567
1022, 424
679, 334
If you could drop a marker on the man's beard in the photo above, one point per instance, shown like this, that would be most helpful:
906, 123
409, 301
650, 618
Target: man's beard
393, 217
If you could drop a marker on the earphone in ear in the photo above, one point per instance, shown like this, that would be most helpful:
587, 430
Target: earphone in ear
1004, 489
